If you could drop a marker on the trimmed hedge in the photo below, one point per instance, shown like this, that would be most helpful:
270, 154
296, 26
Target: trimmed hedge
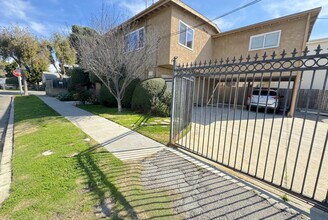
126, 101
65, 96
106, 98
152, 96
93, 78
82, 94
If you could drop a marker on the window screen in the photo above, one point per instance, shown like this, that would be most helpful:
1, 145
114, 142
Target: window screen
267, 40
186, 36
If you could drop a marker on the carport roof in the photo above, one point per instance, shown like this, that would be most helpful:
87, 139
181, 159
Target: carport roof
257, 78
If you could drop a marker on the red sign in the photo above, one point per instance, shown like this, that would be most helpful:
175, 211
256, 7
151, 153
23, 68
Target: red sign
17, 73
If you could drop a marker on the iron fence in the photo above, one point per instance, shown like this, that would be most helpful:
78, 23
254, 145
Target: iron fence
256, 115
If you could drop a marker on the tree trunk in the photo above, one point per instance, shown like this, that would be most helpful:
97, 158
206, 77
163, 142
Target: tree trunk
118, 95
119, 104
62, 69
24, 80
25, 85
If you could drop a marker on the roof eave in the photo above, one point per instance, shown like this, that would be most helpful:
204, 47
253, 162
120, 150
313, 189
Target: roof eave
313, 13
165, 3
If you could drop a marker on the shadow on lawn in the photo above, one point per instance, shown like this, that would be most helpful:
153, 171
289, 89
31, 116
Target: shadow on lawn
109, 179
167, 186
100, 182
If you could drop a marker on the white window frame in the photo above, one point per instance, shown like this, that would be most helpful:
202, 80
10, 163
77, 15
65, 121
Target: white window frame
264, 35
138, 48
193, 35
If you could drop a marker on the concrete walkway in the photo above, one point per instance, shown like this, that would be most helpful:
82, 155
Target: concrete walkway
124, 143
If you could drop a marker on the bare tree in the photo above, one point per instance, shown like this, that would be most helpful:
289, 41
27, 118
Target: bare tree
117, 54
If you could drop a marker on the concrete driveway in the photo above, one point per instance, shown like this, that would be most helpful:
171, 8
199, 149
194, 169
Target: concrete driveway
257, 144
202, 192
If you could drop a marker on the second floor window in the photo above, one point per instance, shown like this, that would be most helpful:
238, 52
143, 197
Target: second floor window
266, 40
186, 37
135, 40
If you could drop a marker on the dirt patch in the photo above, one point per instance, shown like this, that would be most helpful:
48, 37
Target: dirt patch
23, 205
24, 129
203, 194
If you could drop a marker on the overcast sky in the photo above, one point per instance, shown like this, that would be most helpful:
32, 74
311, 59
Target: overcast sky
46, 16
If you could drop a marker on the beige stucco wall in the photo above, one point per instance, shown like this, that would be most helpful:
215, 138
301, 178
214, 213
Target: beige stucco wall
236, 44
164, 24
157, 26
203, 43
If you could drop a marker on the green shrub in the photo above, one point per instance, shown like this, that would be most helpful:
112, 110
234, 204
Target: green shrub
65, 96
12, 80
93, 78
106, 98
79, 78
126, 101
151, 96
82, 94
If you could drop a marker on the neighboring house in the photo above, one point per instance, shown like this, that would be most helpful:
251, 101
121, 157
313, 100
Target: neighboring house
185, 33
320, 75
49, 76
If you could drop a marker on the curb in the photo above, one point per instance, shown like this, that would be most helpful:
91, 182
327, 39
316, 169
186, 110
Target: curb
5, 166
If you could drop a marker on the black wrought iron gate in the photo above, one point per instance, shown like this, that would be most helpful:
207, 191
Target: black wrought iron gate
266, 117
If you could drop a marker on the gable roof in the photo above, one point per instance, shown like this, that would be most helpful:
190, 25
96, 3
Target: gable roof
49, 76
161, 4
313, 13
318, 41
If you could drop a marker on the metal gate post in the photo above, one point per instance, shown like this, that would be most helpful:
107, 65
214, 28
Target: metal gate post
172, 141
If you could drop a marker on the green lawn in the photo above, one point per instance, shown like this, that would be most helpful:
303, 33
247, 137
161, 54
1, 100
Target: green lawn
77, 179
157, 128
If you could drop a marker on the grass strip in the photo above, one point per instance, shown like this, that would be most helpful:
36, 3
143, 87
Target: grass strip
79, 180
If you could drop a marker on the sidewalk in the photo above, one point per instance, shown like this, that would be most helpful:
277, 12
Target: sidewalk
124, 143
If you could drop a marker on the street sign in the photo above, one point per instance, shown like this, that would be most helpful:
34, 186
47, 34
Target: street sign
17, 73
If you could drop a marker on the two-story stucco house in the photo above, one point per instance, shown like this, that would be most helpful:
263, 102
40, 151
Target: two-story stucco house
185, 33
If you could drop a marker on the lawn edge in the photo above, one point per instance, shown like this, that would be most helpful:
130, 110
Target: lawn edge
132, 129
6, 166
